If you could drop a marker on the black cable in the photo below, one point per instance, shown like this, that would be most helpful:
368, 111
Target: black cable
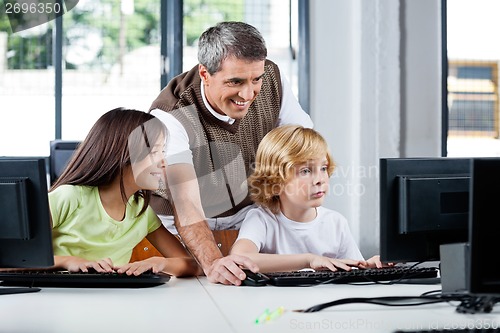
469, 303
436, 292
385, 300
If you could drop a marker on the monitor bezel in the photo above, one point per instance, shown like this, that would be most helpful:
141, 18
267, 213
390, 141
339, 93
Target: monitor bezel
414, 247
36, 251
484, 275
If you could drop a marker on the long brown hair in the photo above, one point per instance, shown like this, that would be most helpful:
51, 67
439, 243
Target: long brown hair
104, 153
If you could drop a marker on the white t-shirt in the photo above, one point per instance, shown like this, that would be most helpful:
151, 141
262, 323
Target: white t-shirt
327, 235
177, 149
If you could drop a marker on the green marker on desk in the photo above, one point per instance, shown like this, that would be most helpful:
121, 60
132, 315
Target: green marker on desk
276, 313
263, 317
267, 316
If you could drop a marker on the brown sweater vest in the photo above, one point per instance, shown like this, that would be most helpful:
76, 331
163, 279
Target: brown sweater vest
223, 154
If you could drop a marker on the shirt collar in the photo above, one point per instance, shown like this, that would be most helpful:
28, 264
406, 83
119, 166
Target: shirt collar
221, 117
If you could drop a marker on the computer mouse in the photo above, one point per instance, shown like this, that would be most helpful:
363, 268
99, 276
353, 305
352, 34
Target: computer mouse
254, 279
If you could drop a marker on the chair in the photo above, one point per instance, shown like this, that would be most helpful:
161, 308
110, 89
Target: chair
223, 238
60, 153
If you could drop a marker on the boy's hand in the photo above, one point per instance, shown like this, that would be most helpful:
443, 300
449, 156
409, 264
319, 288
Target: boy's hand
374, 262
319, 262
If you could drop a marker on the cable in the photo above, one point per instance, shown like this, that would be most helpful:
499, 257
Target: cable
386, 300
436, 292
469, 303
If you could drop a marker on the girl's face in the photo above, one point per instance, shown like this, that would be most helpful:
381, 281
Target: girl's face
149, 173
307, 186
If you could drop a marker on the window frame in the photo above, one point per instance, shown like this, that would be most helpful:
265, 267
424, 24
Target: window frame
171, 52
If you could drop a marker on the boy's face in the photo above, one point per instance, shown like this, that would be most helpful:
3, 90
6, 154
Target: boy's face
232, 90
307, 186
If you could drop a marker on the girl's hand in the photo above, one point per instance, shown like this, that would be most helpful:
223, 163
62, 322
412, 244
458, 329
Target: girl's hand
76, 264
154, 264
320, 262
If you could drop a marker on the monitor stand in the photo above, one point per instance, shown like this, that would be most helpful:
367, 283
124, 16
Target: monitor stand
17, 290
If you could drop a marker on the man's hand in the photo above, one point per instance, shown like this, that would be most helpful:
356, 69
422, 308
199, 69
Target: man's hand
227, 270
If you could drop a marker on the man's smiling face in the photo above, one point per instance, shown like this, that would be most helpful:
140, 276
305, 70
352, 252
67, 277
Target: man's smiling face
232, 90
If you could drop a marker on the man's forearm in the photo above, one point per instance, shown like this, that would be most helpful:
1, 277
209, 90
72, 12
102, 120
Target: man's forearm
189, 216
201, 243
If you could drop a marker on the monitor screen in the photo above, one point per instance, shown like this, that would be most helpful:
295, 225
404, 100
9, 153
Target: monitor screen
25, 230
424, 202
484, 226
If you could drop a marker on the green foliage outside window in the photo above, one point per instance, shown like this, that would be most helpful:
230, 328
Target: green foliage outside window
102, 19
201, 14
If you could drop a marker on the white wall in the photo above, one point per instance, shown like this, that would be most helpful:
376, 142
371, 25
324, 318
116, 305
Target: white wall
375, 75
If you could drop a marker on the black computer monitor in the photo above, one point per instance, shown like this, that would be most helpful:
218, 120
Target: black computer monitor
61, 152
25, 230
484, 226
423, 204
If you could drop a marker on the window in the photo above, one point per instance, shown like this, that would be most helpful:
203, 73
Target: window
472, 81
473, 98
26, 89
111, 57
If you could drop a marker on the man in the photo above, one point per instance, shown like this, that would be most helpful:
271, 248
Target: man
217, 113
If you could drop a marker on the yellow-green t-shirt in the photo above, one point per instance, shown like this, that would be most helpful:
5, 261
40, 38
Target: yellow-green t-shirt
82, 228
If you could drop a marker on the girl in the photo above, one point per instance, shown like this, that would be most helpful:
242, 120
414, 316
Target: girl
289, 230
100, 203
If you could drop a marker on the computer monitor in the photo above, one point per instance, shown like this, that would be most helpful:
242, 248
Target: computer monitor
484, 226
423, 204
25, 229
60, 154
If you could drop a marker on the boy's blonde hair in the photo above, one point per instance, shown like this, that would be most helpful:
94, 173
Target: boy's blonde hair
279, 151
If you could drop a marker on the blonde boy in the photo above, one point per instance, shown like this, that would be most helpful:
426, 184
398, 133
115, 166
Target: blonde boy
289, 229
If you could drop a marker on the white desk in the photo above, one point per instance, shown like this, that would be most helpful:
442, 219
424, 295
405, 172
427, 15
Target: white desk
346, 318
195, 305
181, 305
